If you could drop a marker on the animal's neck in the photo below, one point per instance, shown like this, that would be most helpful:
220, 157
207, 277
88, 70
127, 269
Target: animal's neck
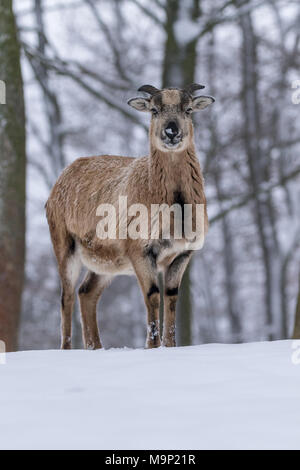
175, 174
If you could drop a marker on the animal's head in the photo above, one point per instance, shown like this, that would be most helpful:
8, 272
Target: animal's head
171, 109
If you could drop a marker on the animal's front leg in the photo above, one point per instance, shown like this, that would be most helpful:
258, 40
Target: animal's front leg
153, 326
146, 272
173, 278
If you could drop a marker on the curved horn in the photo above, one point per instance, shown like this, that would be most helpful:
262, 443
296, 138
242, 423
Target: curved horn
193, 87
149, 89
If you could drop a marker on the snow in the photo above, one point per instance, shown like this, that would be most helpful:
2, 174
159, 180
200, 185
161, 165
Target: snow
200, 397
186, 31
185, 28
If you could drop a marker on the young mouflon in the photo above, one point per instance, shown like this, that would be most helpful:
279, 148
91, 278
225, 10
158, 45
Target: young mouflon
170, 177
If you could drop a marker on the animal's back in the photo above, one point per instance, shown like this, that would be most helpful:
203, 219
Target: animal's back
85, 184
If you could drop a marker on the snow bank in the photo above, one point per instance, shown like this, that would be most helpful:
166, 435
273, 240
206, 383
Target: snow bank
202, 397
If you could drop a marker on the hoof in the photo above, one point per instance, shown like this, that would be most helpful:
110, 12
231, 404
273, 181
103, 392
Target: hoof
153, 344
169, 343
93, 346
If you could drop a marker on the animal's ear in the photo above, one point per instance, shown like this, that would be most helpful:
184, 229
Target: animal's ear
141, 104
201, 102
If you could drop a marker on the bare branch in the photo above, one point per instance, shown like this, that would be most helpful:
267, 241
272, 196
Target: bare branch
240, 11
264, 190
54, 8
161, 4
61, 68
103, 27
148, 11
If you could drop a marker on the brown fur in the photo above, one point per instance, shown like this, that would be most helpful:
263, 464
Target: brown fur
71, 213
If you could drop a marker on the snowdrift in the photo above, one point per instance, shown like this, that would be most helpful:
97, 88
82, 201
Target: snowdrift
201, 397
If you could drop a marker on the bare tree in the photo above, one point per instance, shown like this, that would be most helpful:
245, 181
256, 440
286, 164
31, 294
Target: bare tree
12, 180
259, 167
179, 69
228, 260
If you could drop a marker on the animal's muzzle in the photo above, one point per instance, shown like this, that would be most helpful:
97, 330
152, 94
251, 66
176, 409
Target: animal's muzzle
171, 134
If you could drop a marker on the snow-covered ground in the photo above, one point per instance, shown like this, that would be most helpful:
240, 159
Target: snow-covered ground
201, 397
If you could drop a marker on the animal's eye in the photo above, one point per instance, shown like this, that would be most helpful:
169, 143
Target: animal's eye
188, 111
154, 111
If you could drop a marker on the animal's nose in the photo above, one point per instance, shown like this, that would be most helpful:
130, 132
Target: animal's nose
171, 130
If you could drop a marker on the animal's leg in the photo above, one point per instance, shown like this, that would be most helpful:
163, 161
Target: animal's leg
69, 270
146, 272
89, 294
173, 278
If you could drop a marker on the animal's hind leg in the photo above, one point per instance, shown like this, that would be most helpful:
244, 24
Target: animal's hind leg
89, 294
69, 272
69, 265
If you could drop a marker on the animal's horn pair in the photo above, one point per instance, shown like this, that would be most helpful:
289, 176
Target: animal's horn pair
190, 89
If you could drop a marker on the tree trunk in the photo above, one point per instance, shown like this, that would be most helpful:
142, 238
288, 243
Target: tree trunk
51, 102
296, 334
228, 258
180, 59
278, 134
258, 165
12, 180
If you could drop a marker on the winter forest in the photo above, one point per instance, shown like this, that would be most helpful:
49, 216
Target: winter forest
80, 62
